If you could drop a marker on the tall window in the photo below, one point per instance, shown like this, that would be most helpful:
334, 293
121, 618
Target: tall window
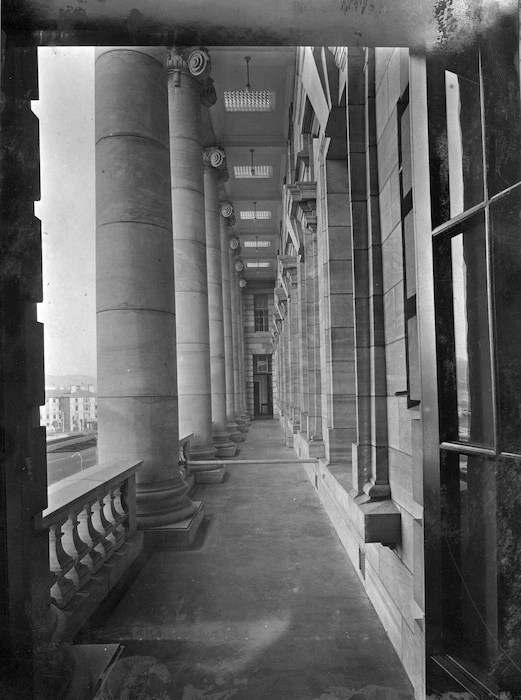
260, 310
475, 147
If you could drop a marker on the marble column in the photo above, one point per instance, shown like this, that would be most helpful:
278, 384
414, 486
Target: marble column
136, 335
188, 84
231, 425
214, 167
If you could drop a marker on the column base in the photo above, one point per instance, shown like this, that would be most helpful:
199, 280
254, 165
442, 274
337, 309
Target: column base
179, 535
162, 503
242, 425
202, 452
214, 476
223, 445
235, 433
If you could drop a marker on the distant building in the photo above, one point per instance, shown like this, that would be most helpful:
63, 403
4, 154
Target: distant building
70, 411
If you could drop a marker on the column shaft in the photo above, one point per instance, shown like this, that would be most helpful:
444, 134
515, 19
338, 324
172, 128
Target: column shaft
231, 425
137, 385
191, 289
221, 437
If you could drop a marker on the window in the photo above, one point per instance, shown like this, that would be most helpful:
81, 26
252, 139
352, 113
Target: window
260, 311
474, 140
262, 364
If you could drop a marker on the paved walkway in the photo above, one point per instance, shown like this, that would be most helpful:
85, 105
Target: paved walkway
269, 608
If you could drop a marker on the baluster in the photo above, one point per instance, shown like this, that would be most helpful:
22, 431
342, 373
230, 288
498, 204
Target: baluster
117, 534
76, 549
96, 554
60, 563
103, 527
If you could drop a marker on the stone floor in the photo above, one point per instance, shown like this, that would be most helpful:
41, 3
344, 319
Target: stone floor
268, 608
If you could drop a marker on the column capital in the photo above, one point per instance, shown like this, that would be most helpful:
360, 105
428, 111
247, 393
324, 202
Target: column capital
195, 61
235, 244
227, 209
215, 157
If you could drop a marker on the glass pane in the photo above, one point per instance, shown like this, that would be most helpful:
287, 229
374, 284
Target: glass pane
505, 218
477, 566
471, 336
500, 68
464, 141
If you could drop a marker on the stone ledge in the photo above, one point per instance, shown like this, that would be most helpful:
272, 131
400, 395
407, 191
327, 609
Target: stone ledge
373, 521
378, 521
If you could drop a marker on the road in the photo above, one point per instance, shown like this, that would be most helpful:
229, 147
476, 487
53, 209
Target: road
63, 464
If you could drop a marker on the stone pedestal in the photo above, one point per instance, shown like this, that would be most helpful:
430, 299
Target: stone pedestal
188, 82
214, 162
137, 383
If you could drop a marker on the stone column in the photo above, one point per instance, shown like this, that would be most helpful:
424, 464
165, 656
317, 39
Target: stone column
314, 341
188, 83
234, 292
137, 385
231, 425
214, 166
242, 354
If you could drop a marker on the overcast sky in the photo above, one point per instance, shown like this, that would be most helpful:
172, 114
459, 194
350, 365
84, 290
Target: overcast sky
67, 208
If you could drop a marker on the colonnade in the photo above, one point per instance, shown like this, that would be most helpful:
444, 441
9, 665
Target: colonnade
169, 332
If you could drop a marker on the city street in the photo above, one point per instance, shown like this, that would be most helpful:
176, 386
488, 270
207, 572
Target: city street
63, 464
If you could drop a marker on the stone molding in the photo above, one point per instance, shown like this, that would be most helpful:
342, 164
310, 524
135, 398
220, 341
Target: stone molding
302, 204
288, 267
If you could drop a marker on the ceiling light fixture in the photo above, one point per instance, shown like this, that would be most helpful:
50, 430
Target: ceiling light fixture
248, 86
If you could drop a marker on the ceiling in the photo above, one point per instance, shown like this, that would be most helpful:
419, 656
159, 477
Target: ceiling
271, 69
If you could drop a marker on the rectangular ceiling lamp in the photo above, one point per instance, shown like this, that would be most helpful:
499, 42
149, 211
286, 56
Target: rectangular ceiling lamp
257, 264
247, 215
256, 244
249, 101
246, 171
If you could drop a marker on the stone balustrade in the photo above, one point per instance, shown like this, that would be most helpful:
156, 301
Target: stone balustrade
93, 538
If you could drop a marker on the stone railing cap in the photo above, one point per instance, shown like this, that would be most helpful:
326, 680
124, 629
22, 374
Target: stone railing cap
76, 489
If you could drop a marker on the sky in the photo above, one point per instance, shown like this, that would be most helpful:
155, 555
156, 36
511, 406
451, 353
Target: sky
67, 208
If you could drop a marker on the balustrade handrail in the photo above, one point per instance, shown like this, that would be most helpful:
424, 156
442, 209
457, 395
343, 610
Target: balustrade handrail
76, 489
184, 438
